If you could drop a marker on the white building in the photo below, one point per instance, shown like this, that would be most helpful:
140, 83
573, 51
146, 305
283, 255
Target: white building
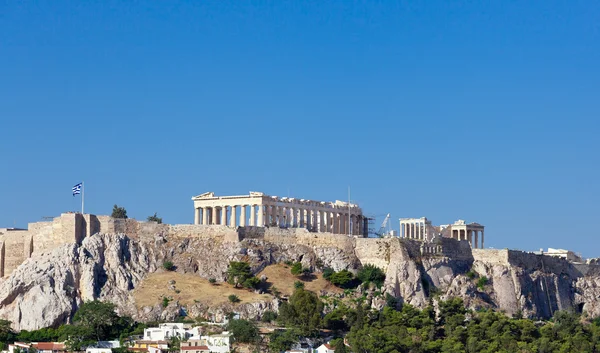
219, 343
168, 330
325, 348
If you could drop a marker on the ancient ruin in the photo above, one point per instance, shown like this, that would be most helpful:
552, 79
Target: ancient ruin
258, 209
422, 229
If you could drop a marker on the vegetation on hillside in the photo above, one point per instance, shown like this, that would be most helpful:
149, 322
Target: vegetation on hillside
119, 212
155, 218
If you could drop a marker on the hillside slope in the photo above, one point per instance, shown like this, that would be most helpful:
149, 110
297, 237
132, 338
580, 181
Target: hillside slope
46, 290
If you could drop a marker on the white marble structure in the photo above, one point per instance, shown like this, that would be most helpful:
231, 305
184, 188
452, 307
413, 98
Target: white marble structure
260, 210
422, 229
416, 228
460, 230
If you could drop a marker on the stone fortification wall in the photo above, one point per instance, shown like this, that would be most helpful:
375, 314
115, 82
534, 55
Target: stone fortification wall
491, 256
15, 247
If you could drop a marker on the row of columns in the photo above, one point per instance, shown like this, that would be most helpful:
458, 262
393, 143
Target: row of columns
416, 229
471, 235
282, 216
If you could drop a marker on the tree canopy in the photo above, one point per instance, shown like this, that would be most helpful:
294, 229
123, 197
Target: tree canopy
119, 212
154, 218
238, 272
302, 311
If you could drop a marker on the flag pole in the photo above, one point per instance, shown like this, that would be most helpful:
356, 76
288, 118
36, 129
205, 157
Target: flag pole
82, 195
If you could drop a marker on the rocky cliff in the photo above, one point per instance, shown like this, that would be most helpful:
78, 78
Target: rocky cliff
47, 289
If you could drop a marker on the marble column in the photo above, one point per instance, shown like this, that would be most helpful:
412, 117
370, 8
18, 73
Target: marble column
233, 217
224, 215
204, 215
252, 216
214, 217
261, 216
197, 215
476, 240
267, 209
482, 239
243, 216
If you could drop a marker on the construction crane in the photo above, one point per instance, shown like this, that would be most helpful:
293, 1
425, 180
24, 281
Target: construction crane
382, 230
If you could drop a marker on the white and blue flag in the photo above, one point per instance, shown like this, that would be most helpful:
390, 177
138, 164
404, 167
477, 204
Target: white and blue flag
77, 189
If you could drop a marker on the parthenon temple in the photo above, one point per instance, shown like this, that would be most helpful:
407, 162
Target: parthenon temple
422, 229
260, 210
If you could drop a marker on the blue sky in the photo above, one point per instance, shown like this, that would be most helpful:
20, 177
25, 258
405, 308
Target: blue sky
485, 111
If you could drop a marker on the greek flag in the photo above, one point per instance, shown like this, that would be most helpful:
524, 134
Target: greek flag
77, 189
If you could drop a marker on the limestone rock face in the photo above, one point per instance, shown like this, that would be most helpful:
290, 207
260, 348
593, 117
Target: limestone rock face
47, 289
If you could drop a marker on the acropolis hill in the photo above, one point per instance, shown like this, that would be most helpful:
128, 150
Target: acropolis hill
52, 266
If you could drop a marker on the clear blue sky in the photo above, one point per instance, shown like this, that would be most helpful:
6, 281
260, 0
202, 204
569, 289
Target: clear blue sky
482, 110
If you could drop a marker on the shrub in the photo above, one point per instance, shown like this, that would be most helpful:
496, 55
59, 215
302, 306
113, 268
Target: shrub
471, 275
371, 273
275, 291
341, 279
269, 316
296, 269
252, 282
155, 218
482, 282
119, 212
233, 298
243, 331
327, 273
298, 285
288, 262
165, 302
168, 265
212, 280
238, 272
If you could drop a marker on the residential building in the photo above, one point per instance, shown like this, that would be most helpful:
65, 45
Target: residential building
325, 348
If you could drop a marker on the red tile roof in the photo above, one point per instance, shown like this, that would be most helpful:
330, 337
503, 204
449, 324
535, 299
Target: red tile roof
50, 346
328, 346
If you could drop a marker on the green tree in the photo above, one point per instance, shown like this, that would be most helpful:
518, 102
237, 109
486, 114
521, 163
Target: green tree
299, 285
342, 278
302, 311
282, 340
327, 273
233, 298
78, 337
98, 316
296, 269
154, 218
251, 282
243, 331
119, 212
6, 332
238, 272
371, 273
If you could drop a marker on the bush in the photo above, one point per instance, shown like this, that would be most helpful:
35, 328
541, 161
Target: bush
243, 331
155, 218
371, 273
238, 272
269, 316
341, 279
252, 282
119, 212
327, 273
482, 282
296, 269
298, 285
212, 280
165, 302
233, 298
471, 275
275, 291
168, 265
